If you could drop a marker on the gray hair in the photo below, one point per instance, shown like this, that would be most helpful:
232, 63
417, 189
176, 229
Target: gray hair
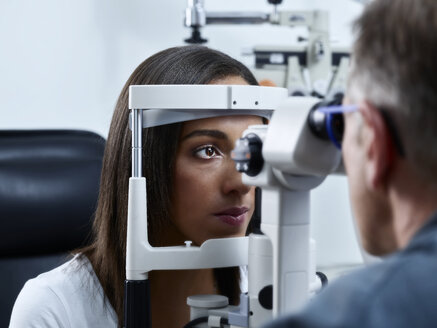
395, 68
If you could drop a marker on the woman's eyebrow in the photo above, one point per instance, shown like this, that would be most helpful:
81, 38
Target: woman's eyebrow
209, 133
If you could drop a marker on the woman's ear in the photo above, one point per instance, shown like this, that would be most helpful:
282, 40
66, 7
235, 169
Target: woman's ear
379, 150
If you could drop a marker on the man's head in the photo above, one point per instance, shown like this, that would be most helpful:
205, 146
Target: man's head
394, 82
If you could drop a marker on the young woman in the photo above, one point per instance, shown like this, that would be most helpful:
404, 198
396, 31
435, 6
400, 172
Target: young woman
194, 193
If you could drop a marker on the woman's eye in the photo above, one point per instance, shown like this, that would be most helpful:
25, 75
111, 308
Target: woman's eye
206, 152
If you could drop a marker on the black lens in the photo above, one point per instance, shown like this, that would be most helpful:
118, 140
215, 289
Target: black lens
327, 126
337, 126
247, 155
317, 122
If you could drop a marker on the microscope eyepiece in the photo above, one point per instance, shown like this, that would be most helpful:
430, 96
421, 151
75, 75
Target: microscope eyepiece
195, 18
327, 126
247, 155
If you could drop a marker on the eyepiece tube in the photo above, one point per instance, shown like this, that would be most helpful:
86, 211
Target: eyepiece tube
247, 155
327, 126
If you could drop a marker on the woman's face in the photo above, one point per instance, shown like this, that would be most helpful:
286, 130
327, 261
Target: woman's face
209, 199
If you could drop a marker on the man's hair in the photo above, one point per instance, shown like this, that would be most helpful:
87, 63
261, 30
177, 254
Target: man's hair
395, 68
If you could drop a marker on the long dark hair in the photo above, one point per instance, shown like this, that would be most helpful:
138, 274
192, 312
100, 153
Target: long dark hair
179, 65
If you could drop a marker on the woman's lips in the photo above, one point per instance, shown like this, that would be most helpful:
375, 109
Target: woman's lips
233, 216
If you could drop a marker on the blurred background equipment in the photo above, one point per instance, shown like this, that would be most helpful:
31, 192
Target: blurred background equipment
313, 68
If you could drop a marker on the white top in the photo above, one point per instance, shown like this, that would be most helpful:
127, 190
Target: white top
69, 296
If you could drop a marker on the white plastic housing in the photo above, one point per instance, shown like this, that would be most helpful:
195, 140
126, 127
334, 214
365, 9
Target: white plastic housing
166, 104
204, 97
291, 147
260, 276
142, 258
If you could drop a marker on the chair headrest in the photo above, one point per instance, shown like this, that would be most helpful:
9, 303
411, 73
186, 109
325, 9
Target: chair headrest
49, 182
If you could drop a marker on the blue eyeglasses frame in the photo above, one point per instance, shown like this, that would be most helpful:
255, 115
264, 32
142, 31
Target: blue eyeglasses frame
329, 111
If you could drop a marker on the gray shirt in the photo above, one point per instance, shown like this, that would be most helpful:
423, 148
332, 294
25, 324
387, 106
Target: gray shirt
401, 291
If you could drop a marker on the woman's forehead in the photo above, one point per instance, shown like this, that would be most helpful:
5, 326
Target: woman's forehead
222, 123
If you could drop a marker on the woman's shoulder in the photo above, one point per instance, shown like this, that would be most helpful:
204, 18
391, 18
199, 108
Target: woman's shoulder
73, 277
76, 271
67, 296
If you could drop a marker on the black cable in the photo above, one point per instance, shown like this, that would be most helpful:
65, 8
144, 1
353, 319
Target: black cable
196, 321
323, 278
193, 323
224, 321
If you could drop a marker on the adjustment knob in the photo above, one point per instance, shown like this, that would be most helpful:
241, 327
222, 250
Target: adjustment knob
265, 297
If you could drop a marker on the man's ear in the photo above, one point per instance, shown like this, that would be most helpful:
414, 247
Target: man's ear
379, 150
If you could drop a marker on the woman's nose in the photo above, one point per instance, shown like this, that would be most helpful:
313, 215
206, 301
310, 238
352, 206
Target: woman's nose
233, 180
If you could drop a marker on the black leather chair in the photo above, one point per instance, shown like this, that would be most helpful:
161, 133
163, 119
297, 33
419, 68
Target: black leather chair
49, 181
